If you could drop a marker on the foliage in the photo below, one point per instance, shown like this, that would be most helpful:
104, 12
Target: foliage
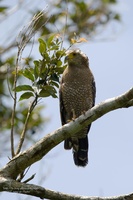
41, 76
44, 75
24, 82
85, 18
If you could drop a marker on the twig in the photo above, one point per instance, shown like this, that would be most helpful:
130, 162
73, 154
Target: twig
29, 179
9, 89
22, 175
32, 106
15, 103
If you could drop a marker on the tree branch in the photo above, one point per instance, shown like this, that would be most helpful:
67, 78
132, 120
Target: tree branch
31, 107
37, 191
23, 160
15, 103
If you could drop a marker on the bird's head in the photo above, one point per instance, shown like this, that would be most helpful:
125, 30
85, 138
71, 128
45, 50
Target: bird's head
76, 58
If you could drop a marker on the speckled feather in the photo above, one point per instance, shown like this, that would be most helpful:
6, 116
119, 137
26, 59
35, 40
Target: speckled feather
77, 95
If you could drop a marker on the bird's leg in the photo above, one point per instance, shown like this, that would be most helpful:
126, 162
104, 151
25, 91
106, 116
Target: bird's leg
83, 112
73, 114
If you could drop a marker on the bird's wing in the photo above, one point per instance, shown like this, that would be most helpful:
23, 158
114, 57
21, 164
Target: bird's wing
93, 95
93, 91
62, 108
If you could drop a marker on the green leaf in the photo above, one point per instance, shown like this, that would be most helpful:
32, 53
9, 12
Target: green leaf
59, 63
36, 63
109, 1
23, 88
48, 91
36, 68
52, 91
28, 74
54, 77
26, 95
54, 83
61, 69
50, 39
44, 93
113, 1
117, 17
42, 46
54, 47
3, 8
40, 40
47, 57
60, 53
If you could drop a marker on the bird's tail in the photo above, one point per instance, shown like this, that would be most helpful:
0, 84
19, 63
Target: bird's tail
68, 144
80, 155
80, 150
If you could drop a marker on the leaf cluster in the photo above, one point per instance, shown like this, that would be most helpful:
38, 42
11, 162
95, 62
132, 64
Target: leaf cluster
45, 73
6, 80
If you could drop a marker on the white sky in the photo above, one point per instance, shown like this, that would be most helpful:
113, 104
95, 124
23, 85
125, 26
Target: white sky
109, 171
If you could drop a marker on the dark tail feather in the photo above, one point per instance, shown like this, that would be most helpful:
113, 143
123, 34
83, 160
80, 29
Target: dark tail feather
68, 144
81, 156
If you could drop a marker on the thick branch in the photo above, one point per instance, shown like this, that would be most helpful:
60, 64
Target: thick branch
42, 147
37, 191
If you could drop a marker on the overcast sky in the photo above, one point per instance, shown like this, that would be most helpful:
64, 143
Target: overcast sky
109, 171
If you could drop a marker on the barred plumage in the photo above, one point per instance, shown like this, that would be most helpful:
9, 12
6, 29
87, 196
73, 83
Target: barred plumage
77, 95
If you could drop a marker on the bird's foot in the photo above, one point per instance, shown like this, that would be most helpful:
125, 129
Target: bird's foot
74, 115
83, 112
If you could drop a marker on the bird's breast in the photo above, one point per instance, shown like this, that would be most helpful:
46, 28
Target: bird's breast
77, 97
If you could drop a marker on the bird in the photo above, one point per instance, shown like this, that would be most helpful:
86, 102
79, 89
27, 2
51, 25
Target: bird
77, 93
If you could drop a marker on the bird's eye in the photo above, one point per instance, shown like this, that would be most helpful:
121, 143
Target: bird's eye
74, 54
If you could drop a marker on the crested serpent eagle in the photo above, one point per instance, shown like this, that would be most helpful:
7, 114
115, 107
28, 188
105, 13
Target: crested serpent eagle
77, 95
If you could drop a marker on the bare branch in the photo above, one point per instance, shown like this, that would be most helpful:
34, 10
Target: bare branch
29, 179
130, 103
32, 106
15, 103
37, 191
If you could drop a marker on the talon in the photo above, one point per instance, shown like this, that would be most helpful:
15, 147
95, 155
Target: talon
74, 115
69, 120
73, 119
83, 113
